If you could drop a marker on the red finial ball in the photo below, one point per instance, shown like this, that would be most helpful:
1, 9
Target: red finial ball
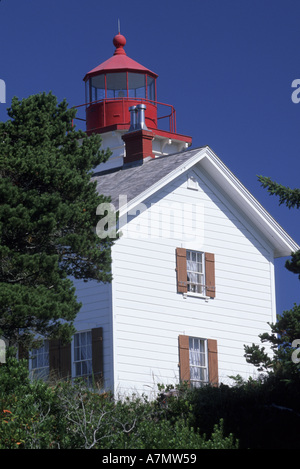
119, 42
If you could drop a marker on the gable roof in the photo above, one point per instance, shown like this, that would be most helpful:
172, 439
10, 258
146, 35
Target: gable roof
133, 180
138, 182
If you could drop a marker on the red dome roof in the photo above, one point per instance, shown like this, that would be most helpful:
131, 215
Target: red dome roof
119, 61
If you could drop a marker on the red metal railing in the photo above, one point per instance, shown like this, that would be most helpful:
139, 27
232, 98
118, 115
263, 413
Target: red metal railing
171, 116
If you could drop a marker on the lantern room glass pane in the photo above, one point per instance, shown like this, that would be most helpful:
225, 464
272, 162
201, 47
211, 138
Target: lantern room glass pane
116, 85
97, 88
136, 85
151, 88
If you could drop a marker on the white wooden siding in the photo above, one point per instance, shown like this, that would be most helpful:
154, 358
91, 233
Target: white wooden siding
149, 314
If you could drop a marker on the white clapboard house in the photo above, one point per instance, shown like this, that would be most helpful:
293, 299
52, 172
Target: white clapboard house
193, 271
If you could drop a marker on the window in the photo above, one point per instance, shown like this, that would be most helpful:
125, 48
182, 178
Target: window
151, 88
39, 363
81, 358
97, 88
116, 85
83, 355
195, 272
198, 360
136, 85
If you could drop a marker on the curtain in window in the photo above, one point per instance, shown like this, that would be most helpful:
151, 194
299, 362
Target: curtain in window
197, 354
194, 271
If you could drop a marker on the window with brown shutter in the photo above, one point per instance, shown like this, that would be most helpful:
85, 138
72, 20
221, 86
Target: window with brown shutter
97, 355
195, 272
208, 364
88, 356
23, 352
59, 360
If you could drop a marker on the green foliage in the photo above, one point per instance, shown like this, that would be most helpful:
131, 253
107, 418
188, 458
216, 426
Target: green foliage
281, 338
65, 415
161, 434
256, 414
261, 414
287, 196
291, 198
25, 417
47, 219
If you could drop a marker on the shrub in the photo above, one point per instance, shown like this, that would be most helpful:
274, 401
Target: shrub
65, 415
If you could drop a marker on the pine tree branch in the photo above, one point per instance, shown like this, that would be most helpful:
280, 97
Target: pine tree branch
287, 196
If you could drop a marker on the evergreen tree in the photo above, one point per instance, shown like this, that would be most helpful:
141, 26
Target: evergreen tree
285, 333
47, 219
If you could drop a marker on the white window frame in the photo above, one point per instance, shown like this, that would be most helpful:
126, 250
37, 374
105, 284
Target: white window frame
39, 362
195, 287
198, 361
82, 355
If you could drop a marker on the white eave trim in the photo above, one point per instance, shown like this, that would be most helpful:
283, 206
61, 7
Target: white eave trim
282, 243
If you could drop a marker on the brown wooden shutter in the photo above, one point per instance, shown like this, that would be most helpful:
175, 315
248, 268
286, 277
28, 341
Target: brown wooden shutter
23, 352
59, 359
184, 358
210, 275
212, 348
97, 355
181, 270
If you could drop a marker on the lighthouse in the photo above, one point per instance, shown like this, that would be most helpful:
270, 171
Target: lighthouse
122, 105
188, 245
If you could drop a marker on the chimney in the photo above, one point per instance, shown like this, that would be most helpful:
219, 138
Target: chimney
138, 139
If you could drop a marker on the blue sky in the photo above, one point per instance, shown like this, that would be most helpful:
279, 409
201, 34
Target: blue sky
227, 67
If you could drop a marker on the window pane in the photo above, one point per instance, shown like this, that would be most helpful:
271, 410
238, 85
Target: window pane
198, 362
97, 88
150, 88
78, 369
83, 354
195, 275
83, 339
136, 85
40, 361
76, 340
116, 85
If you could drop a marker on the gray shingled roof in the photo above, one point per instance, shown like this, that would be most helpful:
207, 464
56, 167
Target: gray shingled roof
132, 180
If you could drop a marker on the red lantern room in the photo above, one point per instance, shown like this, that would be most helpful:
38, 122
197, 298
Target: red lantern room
114, 86
121, 98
